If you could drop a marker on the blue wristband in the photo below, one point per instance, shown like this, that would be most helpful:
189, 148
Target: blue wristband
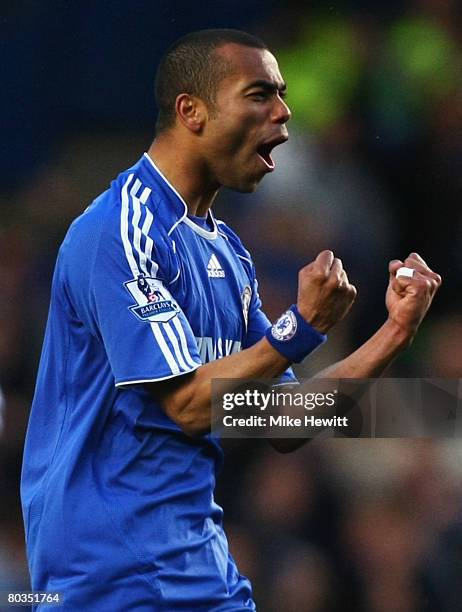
294, 337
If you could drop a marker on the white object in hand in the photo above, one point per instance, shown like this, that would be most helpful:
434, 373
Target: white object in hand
408, 272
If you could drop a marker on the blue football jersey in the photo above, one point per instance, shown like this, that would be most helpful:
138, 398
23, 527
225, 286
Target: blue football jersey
117, 501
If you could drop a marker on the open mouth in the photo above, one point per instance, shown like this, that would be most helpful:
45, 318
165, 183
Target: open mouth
264, 151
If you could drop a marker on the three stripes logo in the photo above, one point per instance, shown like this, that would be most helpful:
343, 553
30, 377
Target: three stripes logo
214, 269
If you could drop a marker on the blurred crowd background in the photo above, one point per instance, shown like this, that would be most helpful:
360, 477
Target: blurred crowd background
373, 170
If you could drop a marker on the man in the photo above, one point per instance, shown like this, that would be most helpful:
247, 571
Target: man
152, 298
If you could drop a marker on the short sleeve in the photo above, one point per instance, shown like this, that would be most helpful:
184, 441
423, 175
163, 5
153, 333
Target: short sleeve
146, 335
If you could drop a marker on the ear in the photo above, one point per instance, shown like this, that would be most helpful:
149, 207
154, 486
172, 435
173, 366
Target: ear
191, 111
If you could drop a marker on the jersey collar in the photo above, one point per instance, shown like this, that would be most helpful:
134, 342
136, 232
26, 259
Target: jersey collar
180, 207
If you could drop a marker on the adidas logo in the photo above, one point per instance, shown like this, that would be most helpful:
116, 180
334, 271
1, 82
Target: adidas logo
214, 269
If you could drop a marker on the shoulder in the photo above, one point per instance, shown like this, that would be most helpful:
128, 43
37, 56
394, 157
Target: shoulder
126, 214
235, 242
238, 247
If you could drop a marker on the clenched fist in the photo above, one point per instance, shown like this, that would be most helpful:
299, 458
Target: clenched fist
408, 299
324, 293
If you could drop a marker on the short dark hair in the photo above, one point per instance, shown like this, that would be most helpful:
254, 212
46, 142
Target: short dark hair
191, 66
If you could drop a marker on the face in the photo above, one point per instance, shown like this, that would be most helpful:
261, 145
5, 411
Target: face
248, 120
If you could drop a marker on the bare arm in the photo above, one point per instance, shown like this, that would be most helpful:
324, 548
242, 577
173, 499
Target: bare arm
187, 399
407, 301
324, 297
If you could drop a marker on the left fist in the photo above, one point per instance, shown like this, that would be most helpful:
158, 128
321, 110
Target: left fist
409, 298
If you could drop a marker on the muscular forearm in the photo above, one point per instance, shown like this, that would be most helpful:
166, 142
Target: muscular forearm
187, 399
371, 358
368, 361
325, 296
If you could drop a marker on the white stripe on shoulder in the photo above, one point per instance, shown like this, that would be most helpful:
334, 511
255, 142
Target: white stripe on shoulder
219, 222
245, 258
145, 195
165, 348
145, 256
183, 341
124, 215
149, 242
124, 222
135, 222
176, 347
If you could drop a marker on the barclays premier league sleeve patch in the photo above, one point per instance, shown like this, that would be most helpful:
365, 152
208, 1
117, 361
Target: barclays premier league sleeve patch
154, 303
285, 327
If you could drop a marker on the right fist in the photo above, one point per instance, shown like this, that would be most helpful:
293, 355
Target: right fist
324, 292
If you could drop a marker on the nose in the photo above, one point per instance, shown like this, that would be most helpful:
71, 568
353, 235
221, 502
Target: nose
281, 112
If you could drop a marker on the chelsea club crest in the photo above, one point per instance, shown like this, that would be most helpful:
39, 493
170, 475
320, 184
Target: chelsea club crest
285, 327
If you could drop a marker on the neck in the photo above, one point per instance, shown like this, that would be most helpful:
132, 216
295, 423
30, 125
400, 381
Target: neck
185, 172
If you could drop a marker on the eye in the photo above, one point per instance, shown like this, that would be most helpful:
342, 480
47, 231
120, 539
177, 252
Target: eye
258, 96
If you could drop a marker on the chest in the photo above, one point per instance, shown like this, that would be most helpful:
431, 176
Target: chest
212, 288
